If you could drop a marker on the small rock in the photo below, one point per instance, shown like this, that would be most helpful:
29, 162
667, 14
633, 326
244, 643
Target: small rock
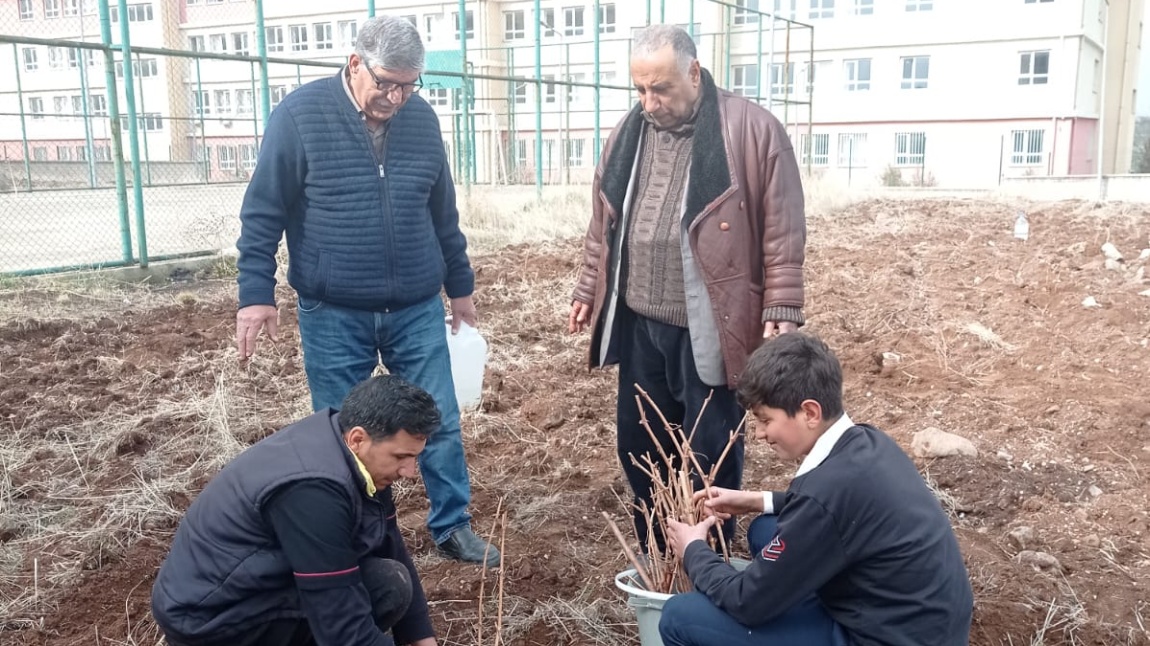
1111, 252
1094, 491
1032, 504
1145, 293
1088, 468
936, 443
1039, 561
890, 361
1003, 455
1021, 537
1145, 255
1090, 302
1092, 541
1113, 265
553, 421
1053, 409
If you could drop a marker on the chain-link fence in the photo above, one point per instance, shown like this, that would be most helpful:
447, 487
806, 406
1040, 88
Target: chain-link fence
106, 163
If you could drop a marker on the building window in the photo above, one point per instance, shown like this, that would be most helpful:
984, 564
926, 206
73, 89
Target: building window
573, 21
148, 122
36, 107
910, 148
348, 30
60, 104
244, 103
822, 9
857, 72
323, 35
103, 152
745, 80
548, 89
81, 153
40, 153
607, 18
915, 72
51, 8
98, 104
218, 43
298, 37
520, 93
71, 7
1027, 150
821, 153
63, 153
227, 156
786, 9
247, 156
223, 101
575, 158
780, 85
513, 27
77, 105
1034, 68
31, 59
470, 20
196, 43
809, 73
919, 5
60, 58
140, 13
274, 38
142, 68
240, 43
276, 94
202, 102
864, 8
746, 12
26, 10
437, 96
852, 150
548, 22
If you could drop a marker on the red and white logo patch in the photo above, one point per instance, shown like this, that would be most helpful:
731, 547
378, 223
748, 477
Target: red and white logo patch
774, 550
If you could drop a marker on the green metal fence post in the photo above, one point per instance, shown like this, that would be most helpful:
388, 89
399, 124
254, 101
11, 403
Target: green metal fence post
144, 112
598, 81
255, 122
662, 11
370, 8
23, 124
539, 102
465, 89
648, 12
691, 21
262, 52
114, 128
205, 156
89, 151
133, 131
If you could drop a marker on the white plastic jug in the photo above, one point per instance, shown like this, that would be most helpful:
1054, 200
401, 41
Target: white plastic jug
468, 359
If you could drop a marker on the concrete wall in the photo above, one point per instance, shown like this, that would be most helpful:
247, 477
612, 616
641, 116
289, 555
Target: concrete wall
1119, 188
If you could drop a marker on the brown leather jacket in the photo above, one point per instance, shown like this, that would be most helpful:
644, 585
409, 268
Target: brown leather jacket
744, 223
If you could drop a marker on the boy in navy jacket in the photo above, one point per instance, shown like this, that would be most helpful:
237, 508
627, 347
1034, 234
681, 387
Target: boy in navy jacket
856, 551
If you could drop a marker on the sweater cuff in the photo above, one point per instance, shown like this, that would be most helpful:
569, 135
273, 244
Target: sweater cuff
784, 313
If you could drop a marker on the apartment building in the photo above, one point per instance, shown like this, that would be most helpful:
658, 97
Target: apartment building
912, 91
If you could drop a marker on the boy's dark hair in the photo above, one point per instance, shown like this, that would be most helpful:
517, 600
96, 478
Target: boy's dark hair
385, 404
791, 368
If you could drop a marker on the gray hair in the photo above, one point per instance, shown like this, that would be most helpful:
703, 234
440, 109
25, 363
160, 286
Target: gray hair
390, 42
653, 38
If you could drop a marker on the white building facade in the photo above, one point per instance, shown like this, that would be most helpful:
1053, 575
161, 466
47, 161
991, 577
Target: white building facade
936, 92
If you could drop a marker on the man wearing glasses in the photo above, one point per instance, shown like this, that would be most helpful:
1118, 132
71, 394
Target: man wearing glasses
352, 167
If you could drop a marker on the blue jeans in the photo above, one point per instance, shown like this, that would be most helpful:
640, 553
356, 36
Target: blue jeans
692, 620
342, 346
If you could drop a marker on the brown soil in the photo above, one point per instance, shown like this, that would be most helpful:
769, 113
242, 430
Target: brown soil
994, 345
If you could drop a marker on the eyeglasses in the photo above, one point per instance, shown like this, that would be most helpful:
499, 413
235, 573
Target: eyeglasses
389, 87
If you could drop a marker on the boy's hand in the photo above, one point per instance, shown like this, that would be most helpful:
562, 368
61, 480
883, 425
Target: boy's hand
680, 535
725, 503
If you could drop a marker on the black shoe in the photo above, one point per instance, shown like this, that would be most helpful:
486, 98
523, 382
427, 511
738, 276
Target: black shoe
464, 545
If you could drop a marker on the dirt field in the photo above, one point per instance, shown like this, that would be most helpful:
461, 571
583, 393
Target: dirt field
117, 404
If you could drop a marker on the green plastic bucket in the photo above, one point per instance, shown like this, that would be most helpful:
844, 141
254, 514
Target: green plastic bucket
648, 606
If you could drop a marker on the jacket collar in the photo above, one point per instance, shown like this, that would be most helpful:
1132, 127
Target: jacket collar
710, 174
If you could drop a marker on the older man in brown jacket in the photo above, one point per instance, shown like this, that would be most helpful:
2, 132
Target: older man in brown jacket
693, 256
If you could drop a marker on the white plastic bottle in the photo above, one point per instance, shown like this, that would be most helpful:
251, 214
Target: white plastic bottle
1021, 226
468, 359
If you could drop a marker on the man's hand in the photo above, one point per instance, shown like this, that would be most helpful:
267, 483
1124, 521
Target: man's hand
463, 309
579, 317
430, 641
775, 328
680, 535
725, 503
249, 321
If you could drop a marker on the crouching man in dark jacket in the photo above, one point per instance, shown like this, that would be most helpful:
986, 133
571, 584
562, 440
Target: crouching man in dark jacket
295, 541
